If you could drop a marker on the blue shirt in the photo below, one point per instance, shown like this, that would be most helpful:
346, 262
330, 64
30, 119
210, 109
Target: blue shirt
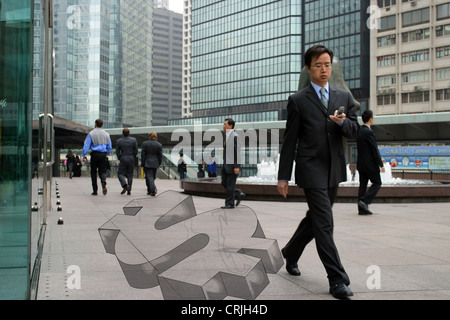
101, 142
327, 90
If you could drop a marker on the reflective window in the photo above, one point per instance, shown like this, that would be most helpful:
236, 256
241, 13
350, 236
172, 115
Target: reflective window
15, 147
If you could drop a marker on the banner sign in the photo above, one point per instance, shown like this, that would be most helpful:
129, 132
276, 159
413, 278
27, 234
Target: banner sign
428, 158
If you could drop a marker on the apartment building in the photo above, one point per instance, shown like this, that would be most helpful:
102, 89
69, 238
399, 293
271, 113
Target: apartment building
410, 56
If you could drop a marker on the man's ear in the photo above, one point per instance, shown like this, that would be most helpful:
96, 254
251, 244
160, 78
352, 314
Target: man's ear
308, 69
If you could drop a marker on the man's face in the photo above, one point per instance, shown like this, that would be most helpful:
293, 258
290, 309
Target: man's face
320, 69
226, 126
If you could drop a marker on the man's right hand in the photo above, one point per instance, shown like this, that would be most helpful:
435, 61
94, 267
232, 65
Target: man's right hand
283, 188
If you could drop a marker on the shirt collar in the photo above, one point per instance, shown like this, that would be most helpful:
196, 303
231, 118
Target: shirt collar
317, 87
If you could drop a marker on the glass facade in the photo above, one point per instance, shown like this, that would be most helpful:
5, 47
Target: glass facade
103, 61
246, 58
341, 26
16, 34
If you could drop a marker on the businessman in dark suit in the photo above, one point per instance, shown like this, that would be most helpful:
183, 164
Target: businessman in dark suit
151, 158
126, 151
231, 165
314, 139
368, 164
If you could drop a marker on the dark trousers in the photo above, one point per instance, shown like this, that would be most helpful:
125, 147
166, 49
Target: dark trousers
318, 225
126, 171
229, 183
365, 195
98, 163
150, 175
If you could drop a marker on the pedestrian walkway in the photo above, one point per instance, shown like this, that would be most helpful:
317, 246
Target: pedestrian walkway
401, 252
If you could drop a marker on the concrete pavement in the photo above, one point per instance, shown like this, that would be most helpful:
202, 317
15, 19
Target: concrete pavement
402, 252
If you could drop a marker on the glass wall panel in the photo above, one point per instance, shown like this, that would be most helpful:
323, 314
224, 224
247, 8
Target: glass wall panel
15, 147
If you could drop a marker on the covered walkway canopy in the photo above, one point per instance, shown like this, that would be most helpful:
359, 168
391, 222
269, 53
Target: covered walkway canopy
423, 128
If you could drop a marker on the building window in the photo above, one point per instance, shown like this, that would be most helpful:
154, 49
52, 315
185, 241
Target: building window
416, 76
443, 52
443, 11
387, 80
443, 94
416, 35
385, 41
443, 30
386, 3
416, 56
385, 61
443, 74
387, 23
385, 99
414, 17
416, 96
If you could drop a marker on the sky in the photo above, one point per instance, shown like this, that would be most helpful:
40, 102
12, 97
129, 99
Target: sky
176, 5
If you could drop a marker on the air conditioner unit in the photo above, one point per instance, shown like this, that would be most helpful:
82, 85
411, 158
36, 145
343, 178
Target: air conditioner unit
413, 3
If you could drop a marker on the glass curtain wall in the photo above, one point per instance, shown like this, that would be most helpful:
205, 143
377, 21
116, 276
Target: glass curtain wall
16, 33
26, 142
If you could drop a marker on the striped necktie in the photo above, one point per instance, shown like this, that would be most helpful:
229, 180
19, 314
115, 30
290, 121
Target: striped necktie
323, 98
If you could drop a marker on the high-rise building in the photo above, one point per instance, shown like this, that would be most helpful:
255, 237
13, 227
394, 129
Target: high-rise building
342, 26
167, 66
103, 52
186, 99
161, 4
410, 62
245, 59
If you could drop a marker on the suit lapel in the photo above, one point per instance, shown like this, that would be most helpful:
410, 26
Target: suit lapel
311, 94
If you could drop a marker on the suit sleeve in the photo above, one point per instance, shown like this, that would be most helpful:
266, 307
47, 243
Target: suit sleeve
237, 152
350, 127
143, 156
289, 146
375, 153
118, 150
135, 148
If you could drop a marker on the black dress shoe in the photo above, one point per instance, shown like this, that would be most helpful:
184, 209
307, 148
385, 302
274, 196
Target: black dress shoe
291, 267
340, 291
363, 212
94, 193
363, 205
241, 196
104, 189
227, 207
124, 190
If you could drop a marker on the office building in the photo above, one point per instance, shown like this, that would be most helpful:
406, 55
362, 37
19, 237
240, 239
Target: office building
186, 99
167, 66
342, 26
410, 62
103, 61
245, 59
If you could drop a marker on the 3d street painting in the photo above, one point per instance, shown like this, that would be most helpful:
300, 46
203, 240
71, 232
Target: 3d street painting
162, 241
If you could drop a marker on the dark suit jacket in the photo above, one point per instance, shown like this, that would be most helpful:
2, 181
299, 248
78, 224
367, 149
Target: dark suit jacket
233, 158
315, 141
369, 158
151, 154
126, 147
